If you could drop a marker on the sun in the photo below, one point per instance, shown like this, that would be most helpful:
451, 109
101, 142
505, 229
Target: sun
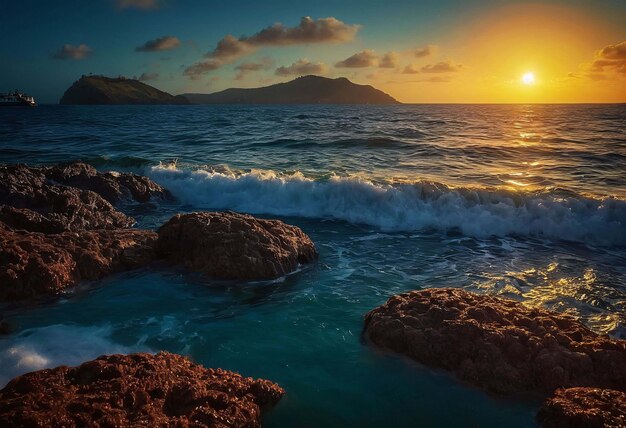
528, 78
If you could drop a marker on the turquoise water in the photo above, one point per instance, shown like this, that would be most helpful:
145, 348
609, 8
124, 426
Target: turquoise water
389, 209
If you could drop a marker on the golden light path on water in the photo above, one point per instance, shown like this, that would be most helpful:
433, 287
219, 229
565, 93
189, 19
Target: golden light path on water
583, 297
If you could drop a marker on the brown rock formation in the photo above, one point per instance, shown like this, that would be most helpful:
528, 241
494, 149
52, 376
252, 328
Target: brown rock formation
33, 264
228, 245
584, 408
69, 197
136, 390
112, 186
496, 343
53, 208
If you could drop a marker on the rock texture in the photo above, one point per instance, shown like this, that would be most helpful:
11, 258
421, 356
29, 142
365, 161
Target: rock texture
584, 408
496, 343
228, 245
112, 186
53, 208
69, 197
34, 264
136, 390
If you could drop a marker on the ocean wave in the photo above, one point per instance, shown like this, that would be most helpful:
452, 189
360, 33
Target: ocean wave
55, 345
476, 212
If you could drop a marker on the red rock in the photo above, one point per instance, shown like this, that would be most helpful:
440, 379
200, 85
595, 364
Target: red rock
584, 408
229, 245
34, 264
136, 390
496, 343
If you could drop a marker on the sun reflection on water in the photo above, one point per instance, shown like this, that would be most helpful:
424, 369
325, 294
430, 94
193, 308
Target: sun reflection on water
584, 296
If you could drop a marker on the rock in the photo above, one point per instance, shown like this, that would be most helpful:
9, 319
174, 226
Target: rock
136, 390
34, 264
112, 186
584, 408
496, 343
229, 245
51, 208
25, 219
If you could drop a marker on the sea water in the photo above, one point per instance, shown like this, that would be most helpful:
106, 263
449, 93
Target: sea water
522, 201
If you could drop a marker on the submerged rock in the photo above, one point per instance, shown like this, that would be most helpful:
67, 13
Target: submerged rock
229, 245
496, 343
136, 390
584, 408
34, 264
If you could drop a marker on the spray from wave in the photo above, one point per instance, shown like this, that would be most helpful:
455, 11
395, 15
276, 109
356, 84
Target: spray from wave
402, 207
56, 345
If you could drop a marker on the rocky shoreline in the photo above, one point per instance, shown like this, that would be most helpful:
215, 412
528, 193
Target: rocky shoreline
504, 347
136, 390
61, 225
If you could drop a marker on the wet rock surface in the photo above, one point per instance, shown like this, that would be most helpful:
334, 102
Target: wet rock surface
112, 186
584, 408
35, 264
229, 245
496, 343
42, 206
136, 390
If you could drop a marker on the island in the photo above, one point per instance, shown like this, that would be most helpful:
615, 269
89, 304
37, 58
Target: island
116, 90
302, 90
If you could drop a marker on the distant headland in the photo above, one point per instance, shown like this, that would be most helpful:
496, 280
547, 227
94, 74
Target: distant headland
116, 90
303, 90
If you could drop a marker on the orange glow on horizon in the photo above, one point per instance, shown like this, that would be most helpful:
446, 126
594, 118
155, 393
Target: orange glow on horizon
504, 52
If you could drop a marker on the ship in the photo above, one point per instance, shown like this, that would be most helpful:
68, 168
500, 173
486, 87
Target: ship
16, 99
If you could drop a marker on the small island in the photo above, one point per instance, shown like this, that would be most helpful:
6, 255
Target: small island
116, 90
302, 90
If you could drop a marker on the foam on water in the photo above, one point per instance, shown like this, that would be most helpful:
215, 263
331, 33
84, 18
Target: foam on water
55, 345
476, 212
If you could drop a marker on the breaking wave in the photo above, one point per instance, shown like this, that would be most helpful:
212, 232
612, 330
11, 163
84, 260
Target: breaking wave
476, 212
55, 345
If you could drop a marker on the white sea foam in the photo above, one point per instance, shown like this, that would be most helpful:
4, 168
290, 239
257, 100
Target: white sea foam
402, 207
55, 345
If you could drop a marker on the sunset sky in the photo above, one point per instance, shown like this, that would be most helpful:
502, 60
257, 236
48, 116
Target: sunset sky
419, 52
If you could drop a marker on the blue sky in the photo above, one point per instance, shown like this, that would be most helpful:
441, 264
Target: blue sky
33, 31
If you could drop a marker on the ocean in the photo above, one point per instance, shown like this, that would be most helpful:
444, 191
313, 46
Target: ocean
523, 201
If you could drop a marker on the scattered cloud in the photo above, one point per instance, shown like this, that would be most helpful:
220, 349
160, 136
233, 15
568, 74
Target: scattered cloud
309, 30
410, 69
68, 51
145, 77
248, 67
608, 63
366, 58
438, 79
426, 51
197, 70
164, 43
441, 67
302, 67
611, 58
389, 60
139, 4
